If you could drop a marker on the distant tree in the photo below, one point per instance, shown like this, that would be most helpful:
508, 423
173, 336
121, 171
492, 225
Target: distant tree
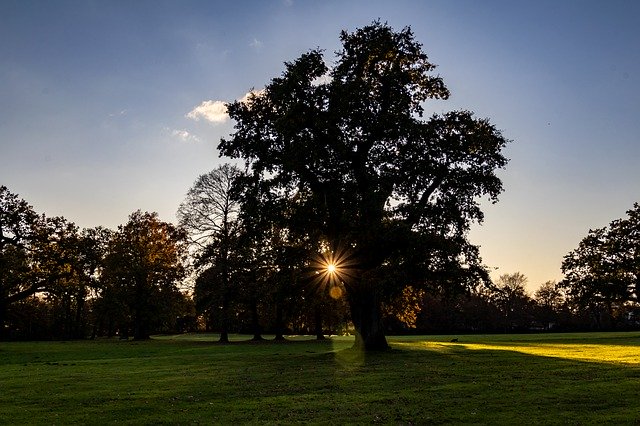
477, 312
549, 295
144, 264
550, 301
405, 308
348, 151
603, 273
510, 295
467, 312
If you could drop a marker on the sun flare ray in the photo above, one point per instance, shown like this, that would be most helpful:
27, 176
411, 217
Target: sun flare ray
333, 270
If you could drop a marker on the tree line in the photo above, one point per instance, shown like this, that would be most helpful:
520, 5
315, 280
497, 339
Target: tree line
59, 281
351, 212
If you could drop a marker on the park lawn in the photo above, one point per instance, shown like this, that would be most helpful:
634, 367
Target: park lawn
188, 379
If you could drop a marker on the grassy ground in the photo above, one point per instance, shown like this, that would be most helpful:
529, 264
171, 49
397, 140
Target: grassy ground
526, 379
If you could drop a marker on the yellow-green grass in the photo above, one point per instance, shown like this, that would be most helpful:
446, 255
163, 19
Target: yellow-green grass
189, 379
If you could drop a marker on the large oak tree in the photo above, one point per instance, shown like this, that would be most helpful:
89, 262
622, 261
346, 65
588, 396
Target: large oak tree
348, 148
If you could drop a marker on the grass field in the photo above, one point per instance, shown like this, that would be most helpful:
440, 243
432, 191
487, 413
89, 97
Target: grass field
188, 379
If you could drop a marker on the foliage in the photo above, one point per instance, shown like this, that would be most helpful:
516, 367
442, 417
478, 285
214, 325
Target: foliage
145, 261
549, 295
347, 151
551, 310
603, 273
19, 225
510, 296
45, 258
406, 307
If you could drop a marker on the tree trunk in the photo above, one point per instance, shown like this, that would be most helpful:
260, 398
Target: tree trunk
124, 330
367, 319
279, 322
224, 321
80, 321
318, 322
3, 315
255, 321
140, 331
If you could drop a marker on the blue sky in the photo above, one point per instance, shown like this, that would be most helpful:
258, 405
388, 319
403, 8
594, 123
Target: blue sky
95, 97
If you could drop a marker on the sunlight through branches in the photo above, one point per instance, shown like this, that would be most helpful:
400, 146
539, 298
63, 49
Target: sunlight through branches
333, 270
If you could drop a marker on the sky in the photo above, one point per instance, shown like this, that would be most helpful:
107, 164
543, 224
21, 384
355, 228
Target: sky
107, 107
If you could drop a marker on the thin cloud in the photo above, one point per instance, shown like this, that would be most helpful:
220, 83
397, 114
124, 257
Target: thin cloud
212, 111
122, 112
184, 135
255, 43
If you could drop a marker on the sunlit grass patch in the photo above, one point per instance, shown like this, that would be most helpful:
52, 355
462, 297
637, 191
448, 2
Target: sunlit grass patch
619, 348
621, 354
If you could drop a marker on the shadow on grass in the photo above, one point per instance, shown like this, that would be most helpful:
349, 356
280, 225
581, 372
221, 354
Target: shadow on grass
434, 384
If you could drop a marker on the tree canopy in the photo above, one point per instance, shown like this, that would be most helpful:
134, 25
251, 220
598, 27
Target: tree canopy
19, 225
604, 269
143, 266
347, 150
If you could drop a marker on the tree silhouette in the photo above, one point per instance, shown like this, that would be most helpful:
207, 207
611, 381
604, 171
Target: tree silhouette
349, 149
19, 224
510, 295
145, 261
603, 272
210, 216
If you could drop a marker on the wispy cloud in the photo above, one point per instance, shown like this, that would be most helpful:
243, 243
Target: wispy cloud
120, 113
213, 111
255, 43
184, 135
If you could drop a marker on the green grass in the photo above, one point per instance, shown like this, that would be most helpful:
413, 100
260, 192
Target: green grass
503, 379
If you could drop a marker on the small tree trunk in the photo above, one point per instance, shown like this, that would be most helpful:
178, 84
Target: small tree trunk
224, 321
279, 322
80, 321
318, 322
367, 319
255, 320
3, 315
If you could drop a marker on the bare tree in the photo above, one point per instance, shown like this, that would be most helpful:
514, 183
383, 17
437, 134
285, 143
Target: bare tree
209, 214
208, 211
